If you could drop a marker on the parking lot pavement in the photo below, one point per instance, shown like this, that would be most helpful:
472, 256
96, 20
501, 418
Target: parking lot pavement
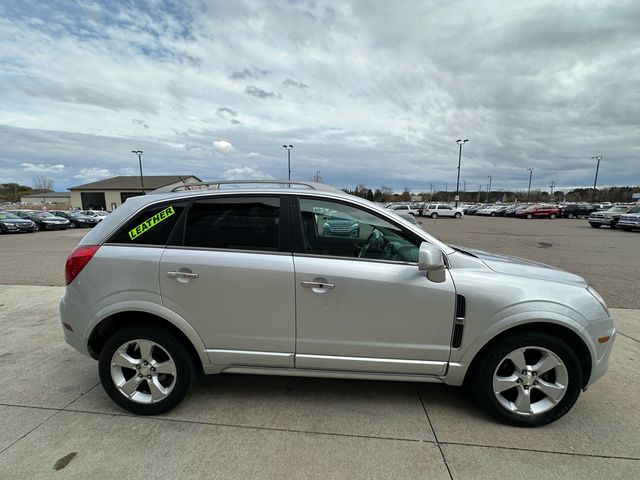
54, 413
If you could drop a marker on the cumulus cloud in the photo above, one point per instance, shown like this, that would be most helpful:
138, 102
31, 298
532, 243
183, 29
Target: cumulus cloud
292, 83
245, 173
224, 147
260, 93
93, 173
42, 167
140, 123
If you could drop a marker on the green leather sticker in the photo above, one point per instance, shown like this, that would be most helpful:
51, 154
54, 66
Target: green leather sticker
151, 222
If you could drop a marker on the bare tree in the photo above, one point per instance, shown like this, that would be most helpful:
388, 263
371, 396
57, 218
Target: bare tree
43, 183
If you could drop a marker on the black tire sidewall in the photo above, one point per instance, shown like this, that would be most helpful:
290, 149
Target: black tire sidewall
483, 381
185, 370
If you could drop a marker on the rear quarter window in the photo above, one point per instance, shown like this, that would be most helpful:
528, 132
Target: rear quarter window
152, 226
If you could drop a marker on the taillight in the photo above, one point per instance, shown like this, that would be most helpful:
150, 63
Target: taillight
77, 260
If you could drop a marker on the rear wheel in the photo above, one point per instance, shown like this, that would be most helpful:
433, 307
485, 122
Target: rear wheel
552, 216
529, 216
146, 371
570, 215
529, 379
434, 215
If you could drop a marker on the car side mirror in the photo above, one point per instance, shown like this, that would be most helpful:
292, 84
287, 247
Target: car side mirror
430, 260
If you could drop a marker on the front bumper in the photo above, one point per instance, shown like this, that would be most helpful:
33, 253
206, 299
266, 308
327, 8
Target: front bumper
600, 221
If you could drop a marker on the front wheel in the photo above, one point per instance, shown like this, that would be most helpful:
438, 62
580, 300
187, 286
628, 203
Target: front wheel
528, 379
146, 371
552, 216
434, 215
529, 216
458, 215
595, 225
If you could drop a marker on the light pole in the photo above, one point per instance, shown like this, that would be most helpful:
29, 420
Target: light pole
288, 149
529, 189
460, 143
488, 187
139, 153
598, 158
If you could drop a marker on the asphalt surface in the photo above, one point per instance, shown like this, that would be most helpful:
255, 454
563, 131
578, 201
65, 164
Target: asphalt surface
607, 258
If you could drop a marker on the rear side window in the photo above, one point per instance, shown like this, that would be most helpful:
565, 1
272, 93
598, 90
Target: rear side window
152, 226
239, 223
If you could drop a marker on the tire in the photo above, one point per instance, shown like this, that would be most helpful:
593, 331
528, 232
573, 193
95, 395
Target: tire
552, 216
570, 215
529, 216
73, 225
595, 225
434, 215
626, 229
613, 224
493, 214
458, 215
37, 227
162, 348
562, 381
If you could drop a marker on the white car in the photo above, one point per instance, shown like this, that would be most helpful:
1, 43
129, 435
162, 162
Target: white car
435, 210
404, 209
99, 215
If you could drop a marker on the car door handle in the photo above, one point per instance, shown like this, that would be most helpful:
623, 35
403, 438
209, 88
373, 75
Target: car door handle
182, 275
327, 286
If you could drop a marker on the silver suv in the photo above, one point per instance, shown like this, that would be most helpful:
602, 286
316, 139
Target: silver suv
248, 280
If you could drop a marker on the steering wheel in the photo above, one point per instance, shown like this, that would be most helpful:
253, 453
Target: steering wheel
374, 240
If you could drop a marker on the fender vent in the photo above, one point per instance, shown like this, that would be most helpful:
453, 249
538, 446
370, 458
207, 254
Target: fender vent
458, 326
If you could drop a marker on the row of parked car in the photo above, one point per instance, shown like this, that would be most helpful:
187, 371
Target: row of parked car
15, 221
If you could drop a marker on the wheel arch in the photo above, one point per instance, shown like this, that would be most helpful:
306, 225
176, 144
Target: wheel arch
111, 324
565, 333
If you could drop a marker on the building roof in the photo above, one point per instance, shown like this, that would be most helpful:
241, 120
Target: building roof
132, 182
48, 195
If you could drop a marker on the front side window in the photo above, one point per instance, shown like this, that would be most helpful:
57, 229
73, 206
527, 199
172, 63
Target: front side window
236, 223
340, 230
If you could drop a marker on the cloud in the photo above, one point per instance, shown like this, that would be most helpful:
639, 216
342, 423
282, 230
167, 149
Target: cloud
140, 123
259, 93
245, 173
42, 167
93, 173
227, 111
292, 83
246, 73
224, 147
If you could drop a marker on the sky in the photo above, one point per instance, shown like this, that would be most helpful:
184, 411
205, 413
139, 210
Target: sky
367, 92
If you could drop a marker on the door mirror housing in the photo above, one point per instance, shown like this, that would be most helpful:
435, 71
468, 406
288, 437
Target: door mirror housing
429, 258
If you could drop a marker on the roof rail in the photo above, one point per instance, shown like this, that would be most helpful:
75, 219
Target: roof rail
231, 184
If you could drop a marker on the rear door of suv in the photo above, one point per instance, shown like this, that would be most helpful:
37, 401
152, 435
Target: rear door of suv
229, 272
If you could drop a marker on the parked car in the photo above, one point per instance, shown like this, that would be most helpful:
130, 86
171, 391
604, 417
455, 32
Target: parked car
393, 303
11, 223
511, 210
409, 218
578, 210
435, 210
43, 220
76, 219
404, 208
630, 219
491, 211
340, 224
99, 215
609, 217
539, 211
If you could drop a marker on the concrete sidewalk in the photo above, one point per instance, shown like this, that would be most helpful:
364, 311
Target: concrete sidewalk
56, 422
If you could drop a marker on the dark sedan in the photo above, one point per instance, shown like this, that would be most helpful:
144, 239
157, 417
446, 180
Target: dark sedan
10, 223
76, 219
43, 220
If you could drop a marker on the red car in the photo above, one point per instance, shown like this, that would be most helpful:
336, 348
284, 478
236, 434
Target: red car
539, 211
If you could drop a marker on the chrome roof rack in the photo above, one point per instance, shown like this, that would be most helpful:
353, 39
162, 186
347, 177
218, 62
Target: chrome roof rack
246, 184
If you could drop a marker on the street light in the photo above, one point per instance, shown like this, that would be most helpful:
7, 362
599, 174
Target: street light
139, 153
460, 143
529, 189
598, 158
288, 149
488, 187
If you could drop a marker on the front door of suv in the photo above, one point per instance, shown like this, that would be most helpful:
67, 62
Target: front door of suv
229, 273
361, 302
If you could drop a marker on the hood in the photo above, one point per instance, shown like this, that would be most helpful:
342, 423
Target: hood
525, 268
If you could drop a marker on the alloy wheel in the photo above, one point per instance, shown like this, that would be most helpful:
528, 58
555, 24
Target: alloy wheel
530, 380
143, 371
